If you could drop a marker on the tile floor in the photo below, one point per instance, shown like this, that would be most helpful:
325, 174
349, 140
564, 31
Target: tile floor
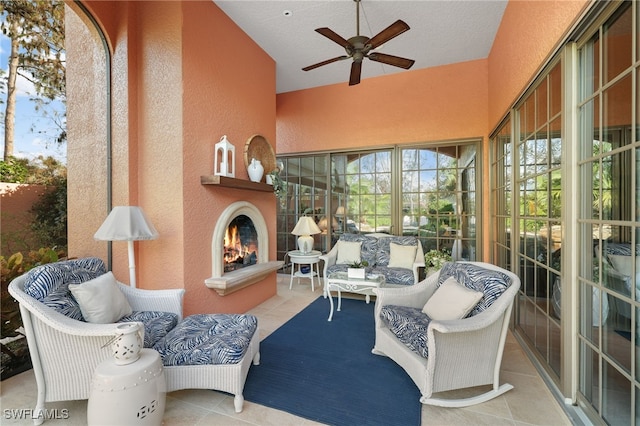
529, 403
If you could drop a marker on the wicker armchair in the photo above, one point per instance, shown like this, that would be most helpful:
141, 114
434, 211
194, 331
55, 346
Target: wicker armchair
64, 351
461, 353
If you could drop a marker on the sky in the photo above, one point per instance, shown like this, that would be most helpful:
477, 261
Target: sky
29, 141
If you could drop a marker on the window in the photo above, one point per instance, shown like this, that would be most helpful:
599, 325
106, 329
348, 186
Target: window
426, 191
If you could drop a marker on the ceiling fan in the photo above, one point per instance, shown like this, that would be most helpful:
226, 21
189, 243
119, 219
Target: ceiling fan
359, 47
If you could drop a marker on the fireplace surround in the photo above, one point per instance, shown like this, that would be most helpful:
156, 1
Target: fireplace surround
227, 282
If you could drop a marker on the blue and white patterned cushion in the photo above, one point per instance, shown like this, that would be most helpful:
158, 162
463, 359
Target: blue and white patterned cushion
50, 283
409, 325
156, 324
44, 279
383, 255
368, 248
61, 300
620, 249
401, 276
205, 339
491, 283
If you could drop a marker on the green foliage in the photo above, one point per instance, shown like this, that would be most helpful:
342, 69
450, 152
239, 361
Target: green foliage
38, 26
50, 216
13, 170
40, 171
279, 185
15, 354
436, 259
359, 264
36, 32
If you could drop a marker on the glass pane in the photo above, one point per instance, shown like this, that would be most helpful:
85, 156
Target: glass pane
541, 104
617, 106
555, 347
555, 90
616, 397
617, 43
530, 111
589, 68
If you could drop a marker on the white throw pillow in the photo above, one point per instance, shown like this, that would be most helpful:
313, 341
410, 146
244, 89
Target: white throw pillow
348, 251
451, 301
402, 256
100, 299
624, 265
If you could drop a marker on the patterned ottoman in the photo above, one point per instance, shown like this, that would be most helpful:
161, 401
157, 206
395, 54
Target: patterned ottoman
211, 351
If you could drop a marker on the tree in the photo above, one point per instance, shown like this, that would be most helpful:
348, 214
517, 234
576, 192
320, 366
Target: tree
36, 31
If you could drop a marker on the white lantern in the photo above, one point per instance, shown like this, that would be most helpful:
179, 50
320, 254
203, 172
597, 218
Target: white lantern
224, 162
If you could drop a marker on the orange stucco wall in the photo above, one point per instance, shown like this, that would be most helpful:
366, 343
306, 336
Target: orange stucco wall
184, 75
16, 201
528, 34
412, 106
175, 93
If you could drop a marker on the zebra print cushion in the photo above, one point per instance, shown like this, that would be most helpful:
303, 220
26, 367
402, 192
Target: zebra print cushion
61, 300
395, 275
491, 283
44, 279
409, 325
156, 324
50, 283
383, 255
367, 249
205, 339
621, 249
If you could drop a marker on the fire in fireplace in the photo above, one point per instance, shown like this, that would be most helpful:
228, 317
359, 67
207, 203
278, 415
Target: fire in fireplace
240, 244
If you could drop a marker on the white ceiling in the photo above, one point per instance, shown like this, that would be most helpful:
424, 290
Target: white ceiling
442, 32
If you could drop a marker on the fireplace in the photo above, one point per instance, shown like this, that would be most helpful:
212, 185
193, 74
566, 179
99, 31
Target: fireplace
240, 249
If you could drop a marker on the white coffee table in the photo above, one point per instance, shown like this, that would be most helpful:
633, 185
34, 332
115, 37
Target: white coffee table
340, 281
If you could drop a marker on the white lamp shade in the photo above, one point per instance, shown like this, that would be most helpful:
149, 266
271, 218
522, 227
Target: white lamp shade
306, 226
126, 223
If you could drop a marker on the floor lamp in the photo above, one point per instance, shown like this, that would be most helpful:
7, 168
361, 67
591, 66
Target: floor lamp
127, 223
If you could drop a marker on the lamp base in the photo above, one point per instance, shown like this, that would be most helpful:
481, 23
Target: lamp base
305, 244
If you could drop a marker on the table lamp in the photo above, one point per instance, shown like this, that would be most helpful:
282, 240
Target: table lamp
305, 228
127, 223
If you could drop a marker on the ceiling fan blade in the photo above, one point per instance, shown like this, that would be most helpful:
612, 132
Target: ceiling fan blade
388, 33
396, 61
331, 35
328, 61
356, 69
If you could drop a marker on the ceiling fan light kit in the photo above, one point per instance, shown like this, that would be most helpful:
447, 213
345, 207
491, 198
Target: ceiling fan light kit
359, 47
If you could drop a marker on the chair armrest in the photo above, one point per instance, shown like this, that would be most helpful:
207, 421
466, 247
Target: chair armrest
154, 300
329, 259
414, 296
55, 319
418, 262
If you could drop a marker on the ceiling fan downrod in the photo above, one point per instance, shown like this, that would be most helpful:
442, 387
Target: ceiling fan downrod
357, 17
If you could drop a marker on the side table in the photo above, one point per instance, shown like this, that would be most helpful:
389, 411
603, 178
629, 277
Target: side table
299, 258
128, 394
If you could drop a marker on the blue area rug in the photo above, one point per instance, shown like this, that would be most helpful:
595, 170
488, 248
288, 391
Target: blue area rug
325, 371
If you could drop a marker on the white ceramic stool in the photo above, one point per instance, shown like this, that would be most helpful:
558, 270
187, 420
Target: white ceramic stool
128, 394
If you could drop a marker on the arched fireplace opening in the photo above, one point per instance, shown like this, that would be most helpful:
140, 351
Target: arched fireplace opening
227, 278
240, 246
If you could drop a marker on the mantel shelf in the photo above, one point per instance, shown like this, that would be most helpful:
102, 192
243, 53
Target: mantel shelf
241, 278
229, 182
